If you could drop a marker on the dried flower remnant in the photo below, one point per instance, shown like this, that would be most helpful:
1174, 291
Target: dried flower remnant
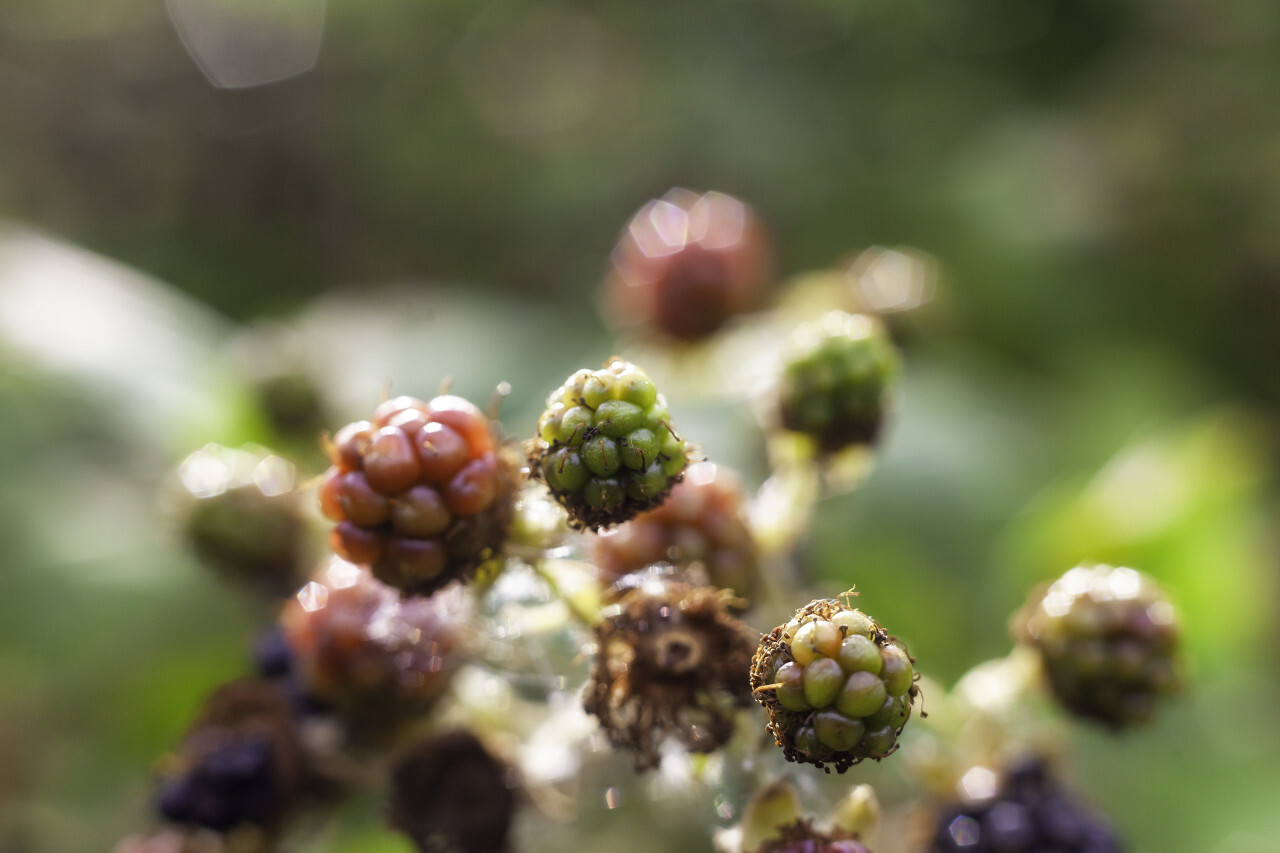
686, 264
375, 658
837, 688
240, 762
670, 662
448, 793
606, 447
422, 493
1108, 639
700, 528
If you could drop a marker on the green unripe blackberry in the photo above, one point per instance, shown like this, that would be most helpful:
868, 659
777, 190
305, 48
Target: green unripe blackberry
422, 494
835, 388
606, 447
1108, 640
838, 689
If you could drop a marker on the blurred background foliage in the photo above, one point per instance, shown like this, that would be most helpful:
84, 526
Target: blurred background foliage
1097, 379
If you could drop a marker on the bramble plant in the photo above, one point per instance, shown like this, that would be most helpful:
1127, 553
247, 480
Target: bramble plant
648, 569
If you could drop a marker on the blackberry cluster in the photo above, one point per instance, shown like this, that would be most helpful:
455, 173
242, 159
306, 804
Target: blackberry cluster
838, 689
606, 447
801, 837
373, 657
669, 662
450, 795
698, 528
422, 493
835, 388
240, 763
1108, 639
687, 263
1029, 814
243, 519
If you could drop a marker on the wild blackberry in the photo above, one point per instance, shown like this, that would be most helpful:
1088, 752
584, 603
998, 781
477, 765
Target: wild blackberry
1028, 814
449, 794
687, 263
835, 387
243, 519
670, 661
375, 658
240, 763
606, 446
699, 528
1108, 641
422, 493
838, 689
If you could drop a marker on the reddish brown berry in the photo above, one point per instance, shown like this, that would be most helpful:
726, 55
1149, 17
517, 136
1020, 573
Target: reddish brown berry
375, 658
699, 528
422, 493
687, 263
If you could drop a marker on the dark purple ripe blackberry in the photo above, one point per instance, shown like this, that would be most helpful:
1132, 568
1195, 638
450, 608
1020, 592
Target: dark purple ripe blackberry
450, 795
686, 264
240, 763
1108, 640
422, 493
835, 387
1028, 814
606, 446
838, 689
670, 662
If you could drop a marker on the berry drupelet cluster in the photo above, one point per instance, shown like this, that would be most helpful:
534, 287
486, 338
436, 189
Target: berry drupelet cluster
838, 689
422, 493
240, 763
372, 657
686, 264
1108, 639
670, 662
606, 446
835, 387
450, 795
1027, 814
699, 528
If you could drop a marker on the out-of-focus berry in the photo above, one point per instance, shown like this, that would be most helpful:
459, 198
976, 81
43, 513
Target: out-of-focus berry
835, 386
802, 837
686, 264
448, 793
838, 689
243, 519
700, 528
670, 662
422, 493
373, 657
1108, 639
240, 763
606, 446
1027, 814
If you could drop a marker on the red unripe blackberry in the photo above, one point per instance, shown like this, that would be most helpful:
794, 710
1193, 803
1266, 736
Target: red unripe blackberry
835, 387
448, 793
686, 264
377, 659
243, 518
606, 447
699, 528
1108, 640
838, 689
422, 493
670, 662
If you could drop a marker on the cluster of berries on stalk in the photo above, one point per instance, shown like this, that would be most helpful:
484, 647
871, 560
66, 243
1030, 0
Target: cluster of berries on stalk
423, 500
